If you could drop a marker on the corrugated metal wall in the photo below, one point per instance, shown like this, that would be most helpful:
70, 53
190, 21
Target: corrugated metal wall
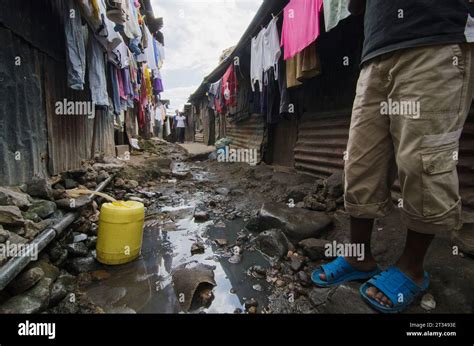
47, 141
321, 143
247, 134
23, 134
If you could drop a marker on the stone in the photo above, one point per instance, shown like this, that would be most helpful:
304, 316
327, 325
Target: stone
200, 215
427, 302
273, 243
235, 258
21, 304
337, 302
252, 302
121, 310
50, 271
314, 248
304, 278
103, 175
58, 292
77, 249
222, 191
40, 188
335, 184
312, 203
91, 242
197, 248
91, 185
56, 251
279, 283
4, 235
296, 223
72, 203
221, 242
11, 215
70, 184
43, 208
257, 287
25, 280
319, 296
82, 264
252, 310
33, 229
119, 182
331, 205
298, 193
8, 196
78, 237
109, 167
29, 215
296, 263
181, 175
257, 271
131, 184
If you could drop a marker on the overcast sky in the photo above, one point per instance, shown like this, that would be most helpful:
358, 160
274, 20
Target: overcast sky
196, 32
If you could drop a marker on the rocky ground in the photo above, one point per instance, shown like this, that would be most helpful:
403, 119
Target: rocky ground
227, 237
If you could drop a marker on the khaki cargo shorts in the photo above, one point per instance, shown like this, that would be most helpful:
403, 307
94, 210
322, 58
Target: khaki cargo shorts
408, 114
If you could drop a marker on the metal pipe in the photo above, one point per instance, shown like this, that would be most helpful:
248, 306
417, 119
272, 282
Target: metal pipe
15, 265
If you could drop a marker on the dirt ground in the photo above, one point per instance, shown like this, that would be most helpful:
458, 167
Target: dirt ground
231, 194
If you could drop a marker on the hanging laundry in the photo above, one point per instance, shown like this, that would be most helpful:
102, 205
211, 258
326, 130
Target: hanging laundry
161, 54
213, 94
115, 89
256, 61
334, 12
304, 65
75, 47
271, 47
230, 86
97, 80
300, 25
150, 51
149, 88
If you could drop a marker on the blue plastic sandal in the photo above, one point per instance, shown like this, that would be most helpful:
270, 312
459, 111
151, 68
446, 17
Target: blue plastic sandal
396, 286
338, 272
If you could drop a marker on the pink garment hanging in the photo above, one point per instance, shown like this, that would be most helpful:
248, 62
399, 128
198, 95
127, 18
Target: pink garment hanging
300, 25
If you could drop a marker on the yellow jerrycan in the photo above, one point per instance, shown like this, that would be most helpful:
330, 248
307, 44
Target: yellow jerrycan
119, 239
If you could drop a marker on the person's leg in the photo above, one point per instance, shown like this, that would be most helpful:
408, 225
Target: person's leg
369, 166
426, 145
361, 231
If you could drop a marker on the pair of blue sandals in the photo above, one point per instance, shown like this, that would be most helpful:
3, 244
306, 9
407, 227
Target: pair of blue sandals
393, 283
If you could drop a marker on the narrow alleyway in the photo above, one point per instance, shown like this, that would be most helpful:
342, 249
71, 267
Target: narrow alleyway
206, 216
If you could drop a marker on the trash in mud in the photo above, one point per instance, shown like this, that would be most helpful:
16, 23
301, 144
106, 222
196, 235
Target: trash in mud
193, 286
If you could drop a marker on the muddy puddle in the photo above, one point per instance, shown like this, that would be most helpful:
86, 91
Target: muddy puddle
146, 285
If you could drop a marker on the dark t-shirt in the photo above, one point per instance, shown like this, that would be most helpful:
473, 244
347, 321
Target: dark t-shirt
391, 25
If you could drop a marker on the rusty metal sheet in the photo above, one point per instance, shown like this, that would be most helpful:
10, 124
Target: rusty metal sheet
321, 144
247, 134
48, 143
